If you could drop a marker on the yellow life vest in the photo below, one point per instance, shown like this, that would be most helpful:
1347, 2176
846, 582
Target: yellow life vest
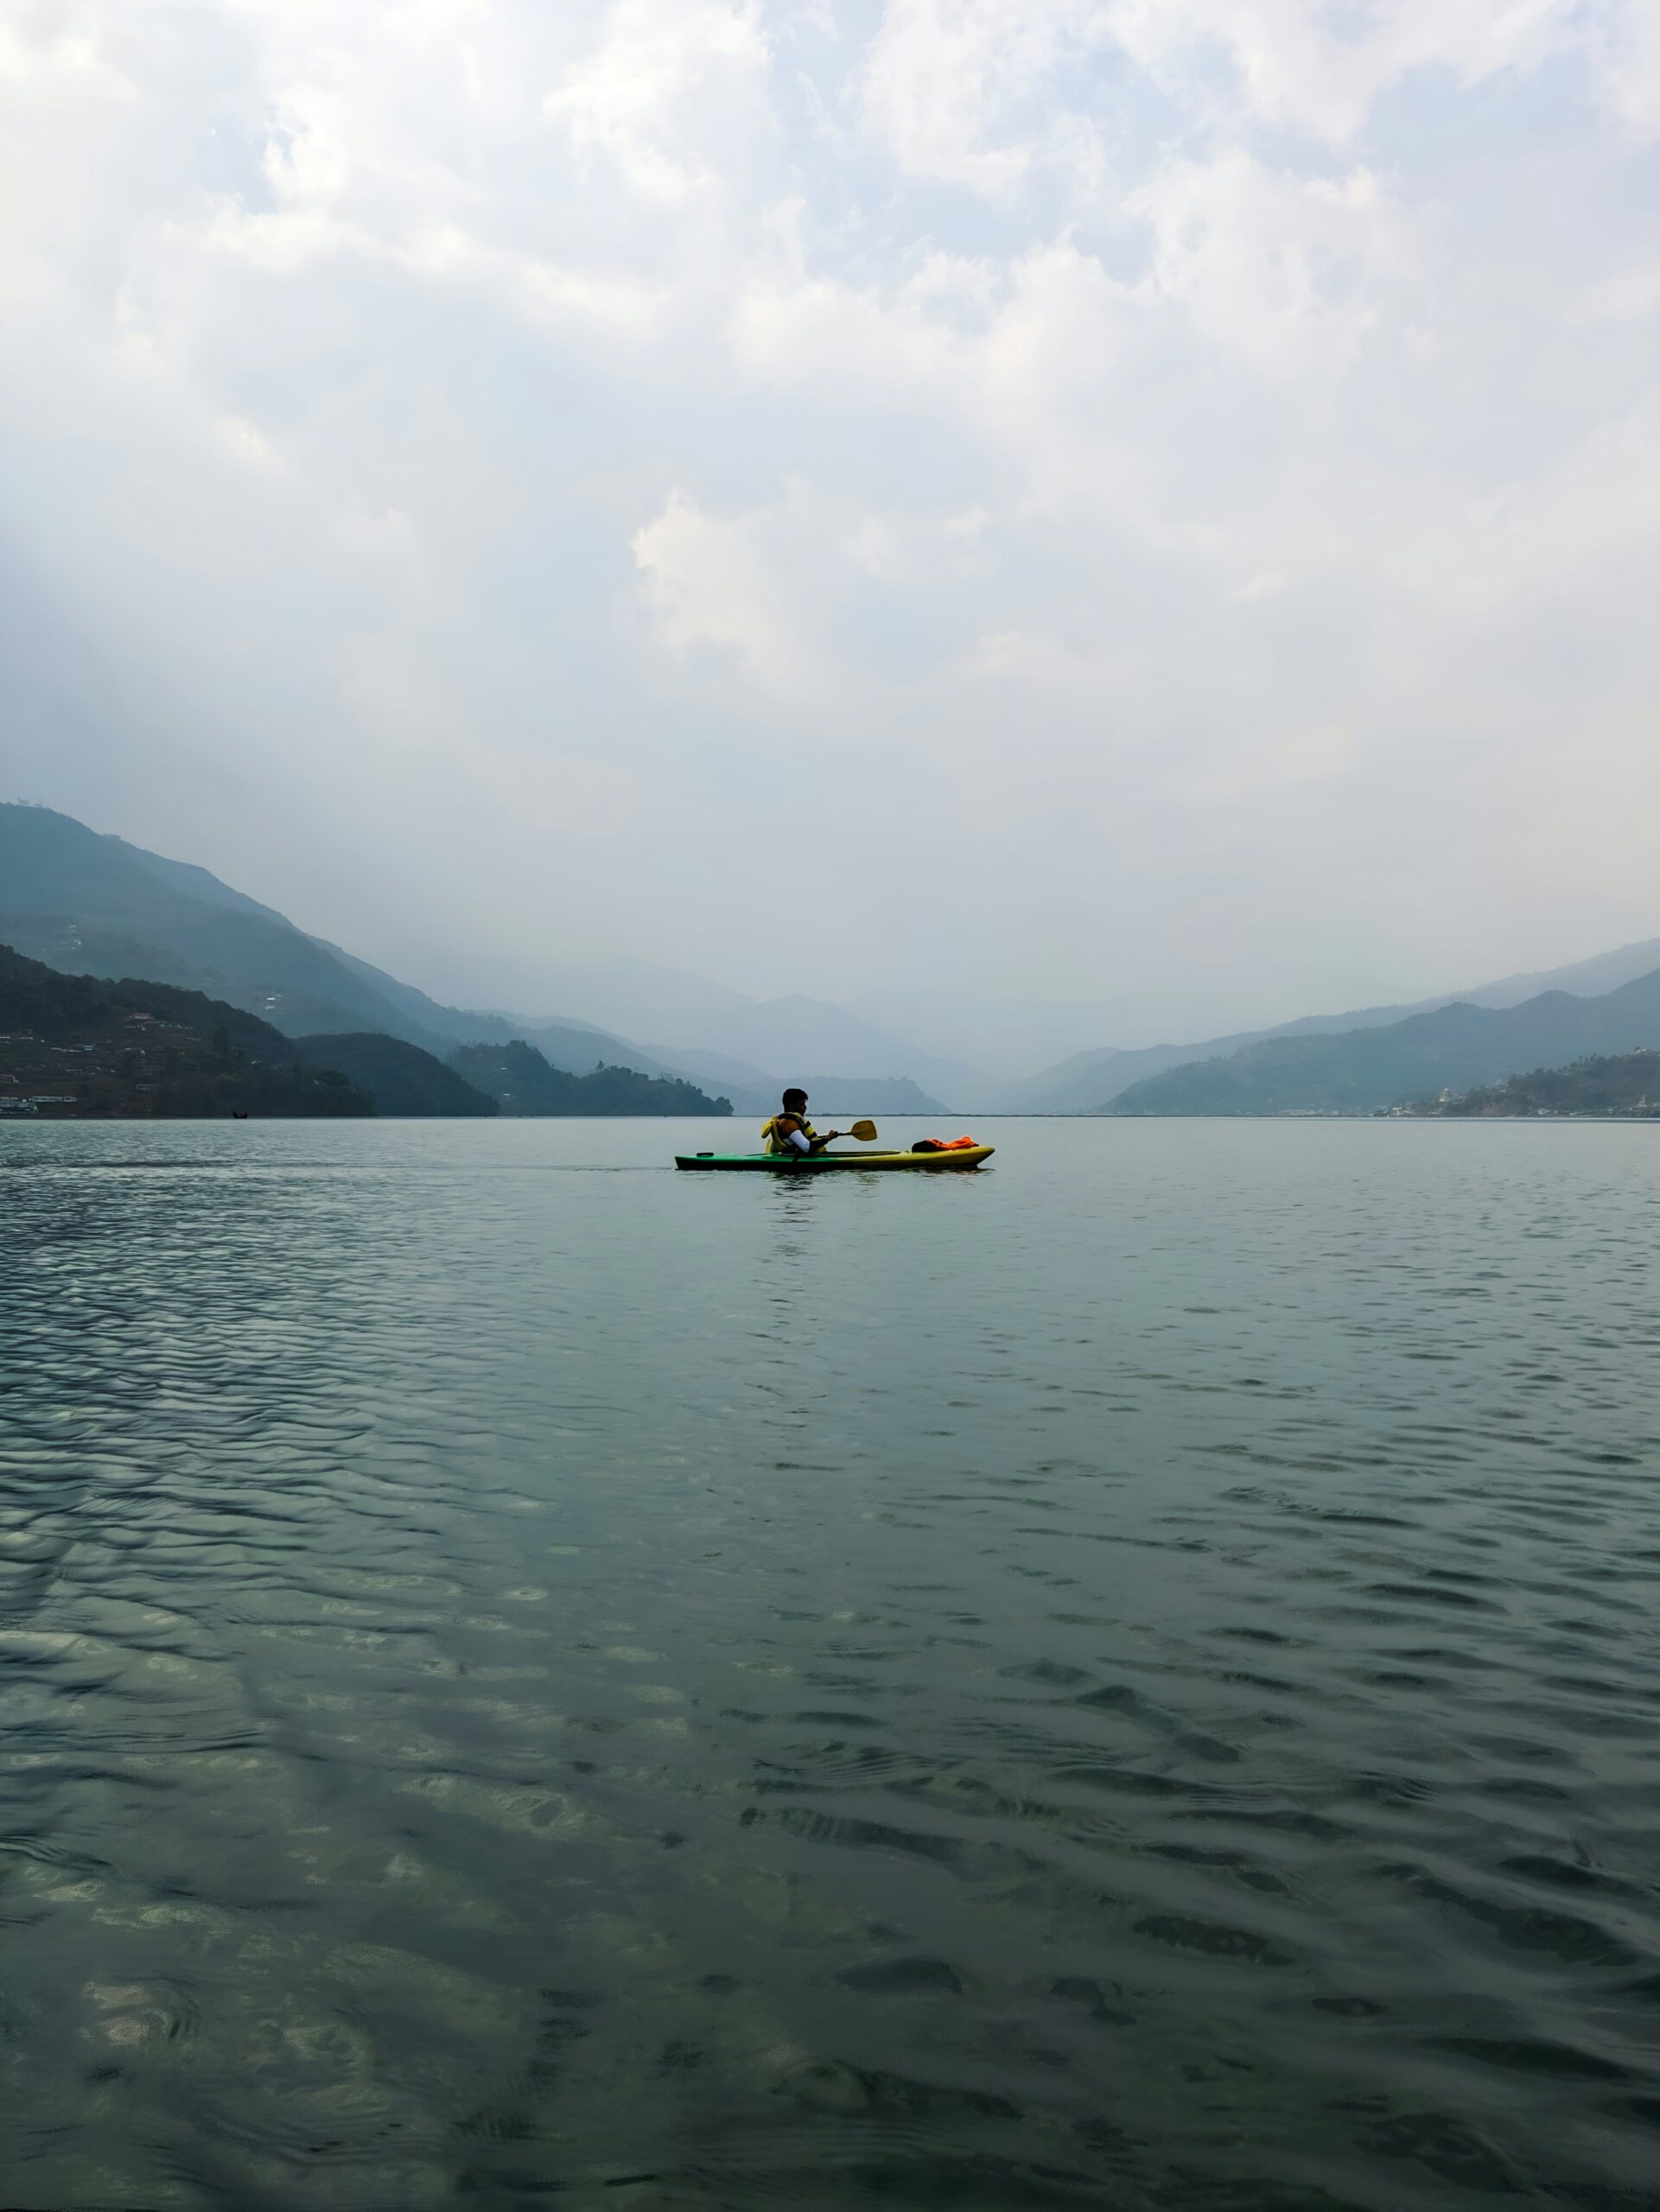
774, 1143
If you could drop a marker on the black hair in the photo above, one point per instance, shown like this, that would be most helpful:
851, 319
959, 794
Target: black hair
795, 1093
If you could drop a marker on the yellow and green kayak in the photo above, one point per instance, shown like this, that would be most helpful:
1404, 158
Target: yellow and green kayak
775, 1163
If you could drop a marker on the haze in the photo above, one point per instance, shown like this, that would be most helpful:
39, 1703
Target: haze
1144, 504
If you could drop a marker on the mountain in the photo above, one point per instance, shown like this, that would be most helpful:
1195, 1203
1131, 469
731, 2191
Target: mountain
184, 877
1603, 971
1087, 1082
77, 900
758, 1044
521, 1081
1007, 1038
401, 1078
571, 1046
842, 1095
576, 1046
784, 1036
143, 1050
1361, 1070
752, 1090
749, 1047
1090, 1082
627, 998
1626, 1084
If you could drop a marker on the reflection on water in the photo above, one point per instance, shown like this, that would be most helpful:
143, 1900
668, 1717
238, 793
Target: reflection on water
1129, 1680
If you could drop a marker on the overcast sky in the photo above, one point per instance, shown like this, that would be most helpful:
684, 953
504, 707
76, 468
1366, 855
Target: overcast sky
1147, 500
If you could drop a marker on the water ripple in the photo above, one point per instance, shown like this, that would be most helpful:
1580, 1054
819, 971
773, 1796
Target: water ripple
1129, 1679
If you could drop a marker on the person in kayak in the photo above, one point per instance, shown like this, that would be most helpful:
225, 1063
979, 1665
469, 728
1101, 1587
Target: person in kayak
791, 1130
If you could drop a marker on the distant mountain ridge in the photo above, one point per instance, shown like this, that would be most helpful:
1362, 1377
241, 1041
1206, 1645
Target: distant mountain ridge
80, 901
83, 901
1090, 1082
1457, 1047
797, 1031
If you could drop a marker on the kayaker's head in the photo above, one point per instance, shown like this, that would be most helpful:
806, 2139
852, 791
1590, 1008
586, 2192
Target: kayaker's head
795, 1102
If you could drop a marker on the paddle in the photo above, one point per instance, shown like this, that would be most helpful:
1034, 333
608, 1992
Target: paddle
865, 1132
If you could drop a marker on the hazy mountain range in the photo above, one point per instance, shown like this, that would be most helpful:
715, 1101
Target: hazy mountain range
87, 902
84, 901
1091, 1080
1360, 1069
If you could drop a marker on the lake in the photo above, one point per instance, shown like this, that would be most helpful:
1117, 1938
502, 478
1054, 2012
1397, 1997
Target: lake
1128, 1680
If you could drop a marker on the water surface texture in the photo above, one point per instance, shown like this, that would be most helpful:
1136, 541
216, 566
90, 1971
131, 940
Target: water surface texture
1129, 1679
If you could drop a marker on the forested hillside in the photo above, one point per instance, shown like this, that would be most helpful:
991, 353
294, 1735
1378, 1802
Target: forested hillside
1619, 1083
72, 1047
521, 1081
400, 1077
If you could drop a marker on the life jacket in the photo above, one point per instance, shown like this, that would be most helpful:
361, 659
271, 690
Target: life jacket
774, 1143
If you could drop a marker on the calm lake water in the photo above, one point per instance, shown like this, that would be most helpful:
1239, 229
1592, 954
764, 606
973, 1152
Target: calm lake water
1130, 1680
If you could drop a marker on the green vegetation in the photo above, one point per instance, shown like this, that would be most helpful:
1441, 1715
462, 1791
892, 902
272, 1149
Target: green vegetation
521, 1081
136, 1050
403, 1079
1620, 1083
38, 998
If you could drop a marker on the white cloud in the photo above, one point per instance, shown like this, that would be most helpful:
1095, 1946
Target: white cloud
69, 56
906, 550
1628, 297
1627, 34
774, 590
660, 95
708, 583
790, 324
1287, 273
248, 445
1090, 675
962, 90
1018, 355
1177, 397
1267, 583
1293, 64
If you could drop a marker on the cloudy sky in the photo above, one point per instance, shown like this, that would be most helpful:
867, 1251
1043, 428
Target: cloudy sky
1152, 501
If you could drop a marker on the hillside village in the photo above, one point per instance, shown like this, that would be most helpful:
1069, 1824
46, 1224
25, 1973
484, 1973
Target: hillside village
121, 1073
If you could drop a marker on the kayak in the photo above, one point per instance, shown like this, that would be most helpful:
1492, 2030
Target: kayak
778, 1163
